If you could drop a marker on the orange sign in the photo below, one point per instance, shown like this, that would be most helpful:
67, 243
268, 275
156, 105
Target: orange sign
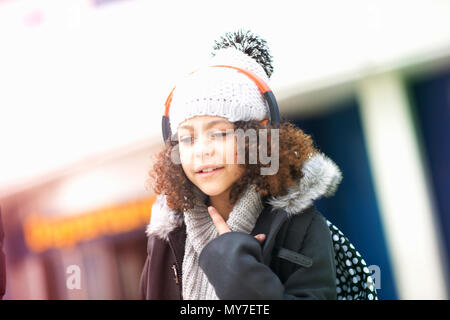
42, 233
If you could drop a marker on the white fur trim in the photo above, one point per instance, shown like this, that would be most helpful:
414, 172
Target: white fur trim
321, 177
163, 219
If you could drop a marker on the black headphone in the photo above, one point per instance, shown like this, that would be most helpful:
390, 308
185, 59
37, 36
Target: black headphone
263, 88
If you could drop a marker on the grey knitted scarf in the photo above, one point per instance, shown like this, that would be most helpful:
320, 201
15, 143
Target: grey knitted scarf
200, 230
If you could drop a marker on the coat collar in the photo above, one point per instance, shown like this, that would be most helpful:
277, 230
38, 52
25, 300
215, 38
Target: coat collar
321, 177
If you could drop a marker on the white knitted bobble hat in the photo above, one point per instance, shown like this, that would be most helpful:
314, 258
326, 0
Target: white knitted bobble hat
225, 92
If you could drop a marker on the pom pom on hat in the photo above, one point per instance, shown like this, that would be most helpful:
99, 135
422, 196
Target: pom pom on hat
225, 92
250, 44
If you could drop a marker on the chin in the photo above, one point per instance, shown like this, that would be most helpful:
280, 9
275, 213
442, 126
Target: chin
212, 190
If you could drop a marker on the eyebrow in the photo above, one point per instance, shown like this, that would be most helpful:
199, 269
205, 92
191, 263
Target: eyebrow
208, 125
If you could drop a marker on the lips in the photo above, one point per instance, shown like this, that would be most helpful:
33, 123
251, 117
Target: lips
209, 173
206, 167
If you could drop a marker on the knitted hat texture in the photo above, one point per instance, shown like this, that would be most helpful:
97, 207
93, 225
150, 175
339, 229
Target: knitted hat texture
219, 91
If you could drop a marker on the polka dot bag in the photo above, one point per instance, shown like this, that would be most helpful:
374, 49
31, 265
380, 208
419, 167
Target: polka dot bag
353, 278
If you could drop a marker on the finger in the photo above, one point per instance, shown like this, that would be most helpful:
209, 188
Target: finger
260, 237
218, 221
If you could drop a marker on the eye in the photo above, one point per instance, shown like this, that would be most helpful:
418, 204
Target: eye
186, 140
220, 134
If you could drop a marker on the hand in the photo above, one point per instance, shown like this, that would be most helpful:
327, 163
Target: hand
222, 226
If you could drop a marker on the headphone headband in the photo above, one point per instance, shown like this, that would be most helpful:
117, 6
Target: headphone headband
262, 86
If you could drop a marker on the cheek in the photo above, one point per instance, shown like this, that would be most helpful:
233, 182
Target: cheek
234, 172
186, 169
229, 151
185, 156
186, 161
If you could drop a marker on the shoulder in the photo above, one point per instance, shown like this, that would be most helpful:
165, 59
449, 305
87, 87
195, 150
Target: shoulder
306, 217
163, 220
155, 243
309, 225
318, 223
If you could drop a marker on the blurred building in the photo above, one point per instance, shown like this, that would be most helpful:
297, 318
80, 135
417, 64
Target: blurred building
389, 134
92, 217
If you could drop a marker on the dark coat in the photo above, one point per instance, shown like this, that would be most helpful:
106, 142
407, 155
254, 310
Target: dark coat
2, 260
296, 261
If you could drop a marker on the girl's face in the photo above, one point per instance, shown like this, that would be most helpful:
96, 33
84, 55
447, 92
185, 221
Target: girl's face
209, 141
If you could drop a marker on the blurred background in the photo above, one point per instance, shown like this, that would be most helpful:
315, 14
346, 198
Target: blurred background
82, 87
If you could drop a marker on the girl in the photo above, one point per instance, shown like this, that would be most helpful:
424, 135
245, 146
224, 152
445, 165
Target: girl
222, 228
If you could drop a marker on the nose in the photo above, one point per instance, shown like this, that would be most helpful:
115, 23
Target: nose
203, 147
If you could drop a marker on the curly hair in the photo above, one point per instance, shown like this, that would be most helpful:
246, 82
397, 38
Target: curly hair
295, 147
